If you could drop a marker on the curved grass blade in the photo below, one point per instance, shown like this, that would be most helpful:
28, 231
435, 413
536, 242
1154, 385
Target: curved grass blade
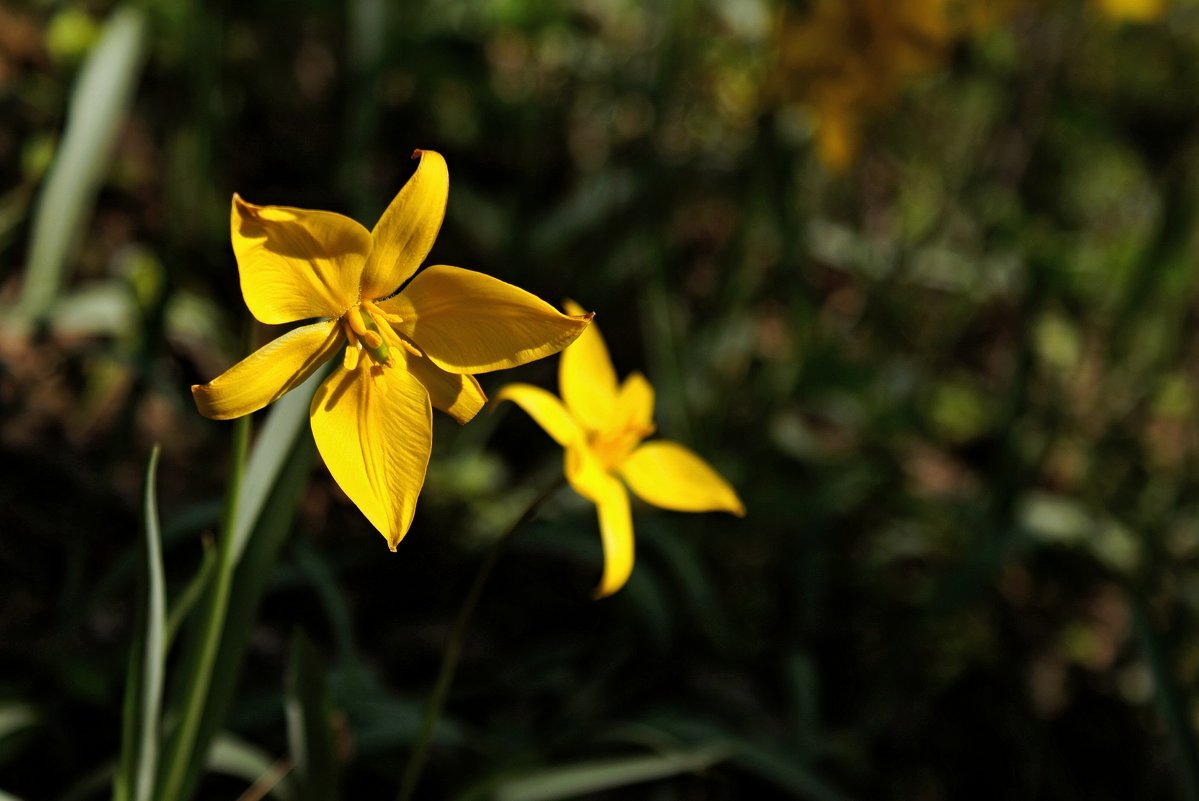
98, 106
310, 723
574, 781
16, 717
249, 580
143, 690
232, 756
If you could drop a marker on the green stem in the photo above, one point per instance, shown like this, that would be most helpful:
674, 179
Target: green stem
453, 648
184, 739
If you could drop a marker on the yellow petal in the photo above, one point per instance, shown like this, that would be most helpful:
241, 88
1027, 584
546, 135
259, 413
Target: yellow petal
587, 381
269, 372
546, 410
670, 476
459, 396
407, 229
468, 322
373, 427
295, 264
591, 481
635, 403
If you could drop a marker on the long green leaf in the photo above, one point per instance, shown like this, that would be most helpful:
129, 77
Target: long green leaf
143, 691
98, 106
233, 756
253, 572
1170, 700
287, 420
310, 723
573, 781
15, 717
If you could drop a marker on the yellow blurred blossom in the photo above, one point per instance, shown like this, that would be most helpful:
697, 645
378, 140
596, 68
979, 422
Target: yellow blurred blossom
849, 60
601, 425
1132, 10
404, 354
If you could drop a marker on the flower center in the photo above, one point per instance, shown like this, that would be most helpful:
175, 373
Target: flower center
368, 328
613, 447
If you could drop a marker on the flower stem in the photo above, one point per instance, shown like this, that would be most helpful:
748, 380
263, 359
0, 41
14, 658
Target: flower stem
453, 648
199, 676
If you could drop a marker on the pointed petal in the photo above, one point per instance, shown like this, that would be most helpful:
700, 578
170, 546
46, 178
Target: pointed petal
670, 476
590, 480
373, 427
468, 322
635, 404
269, 372
459, 396
587, 381
408, 227
295, 264
546, 411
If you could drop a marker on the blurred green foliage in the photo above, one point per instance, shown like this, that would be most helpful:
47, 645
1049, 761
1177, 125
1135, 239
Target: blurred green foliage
951, 372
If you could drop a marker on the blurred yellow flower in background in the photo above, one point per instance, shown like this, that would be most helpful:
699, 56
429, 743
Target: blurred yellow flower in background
1133, 10
406, 354
849, 60
601, 424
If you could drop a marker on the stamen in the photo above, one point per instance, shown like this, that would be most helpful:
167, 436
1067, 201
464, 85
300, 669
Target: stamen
368, 332
357, 324
350, 361
376, 311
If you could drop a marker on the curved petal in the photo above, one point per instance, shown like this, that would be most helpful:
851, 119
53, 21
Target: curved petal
670, 476
468, 322
269, 372
635, 404
408, 227
294, 263
546, 411
590, 480
587, 381
373, 427
459, 396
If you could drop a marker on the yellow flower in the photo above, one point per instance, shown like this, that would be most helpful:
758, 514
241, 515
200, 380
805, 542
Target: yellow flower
406, 354
601, 425
1133, 10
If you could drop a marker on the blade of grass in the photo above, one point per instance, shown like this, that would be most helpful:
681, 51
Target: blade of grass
233, 756
1170, 703
98, 105
254, 571
16, 717
287, 420
143, 689
310, 723
202, 653
191, 594
573, 781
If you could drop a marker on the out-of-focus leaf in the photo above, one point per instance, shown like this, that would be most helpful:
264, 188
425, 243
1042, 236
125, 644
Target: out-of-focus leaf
98, 106
8, 796
105, 308
1170, 701
784, 770
143, 689
310, 723
15, 717
233, 756
573, 781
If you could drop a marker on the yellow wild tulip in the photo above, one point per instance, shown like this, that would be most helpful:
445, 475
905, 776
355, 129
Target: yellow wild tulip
601, 426
404, 354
